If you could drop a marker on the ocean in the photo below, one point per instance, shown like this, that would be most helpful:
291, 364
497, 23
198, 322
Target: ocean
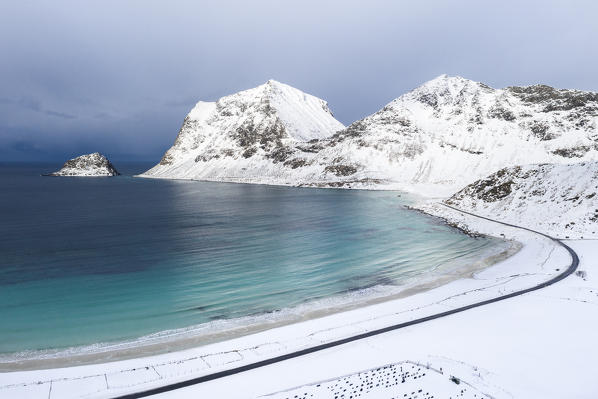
86, 263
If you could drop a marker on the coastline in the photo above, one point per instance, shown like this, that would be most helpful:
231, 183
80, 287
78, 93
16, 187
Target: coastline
171, 341
535, 261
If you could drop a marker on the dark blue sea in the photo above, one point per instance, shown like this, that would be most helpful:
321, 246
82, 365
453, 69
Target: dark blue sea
87, 262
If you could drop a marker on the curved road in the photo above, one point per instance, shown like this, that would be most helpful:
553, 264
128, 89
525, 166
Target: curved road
571, 269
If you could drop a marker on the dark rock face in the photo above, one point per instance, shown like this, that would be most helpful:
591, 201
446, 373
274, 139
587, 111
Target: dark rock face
267, 137
312, 148
207, 157
541, 131
575, 152
429, 99
341, 170
249, 152
356, 129
493, 188
554, 99
296, 163
499, 112
280, 153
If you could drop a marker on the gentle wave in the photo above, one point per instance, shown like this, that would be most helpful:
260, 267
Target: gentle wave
230, 328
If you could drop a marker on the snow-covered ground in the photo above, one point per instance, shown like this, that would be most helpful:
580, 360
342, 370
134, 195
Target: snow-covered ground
558, 200
536, 345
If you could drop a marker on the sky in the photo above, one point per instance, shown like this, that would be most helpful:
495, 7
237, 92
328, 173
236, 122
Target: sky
119, 76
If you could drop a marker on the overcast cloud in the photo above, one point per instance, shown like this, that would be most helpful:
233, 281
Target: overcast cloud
119, 76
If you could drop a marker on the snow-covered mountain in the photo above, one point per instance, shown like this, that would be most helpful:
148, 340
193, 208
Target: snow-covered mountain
559, 200
94, 164
452, 131
433, 140
249, 136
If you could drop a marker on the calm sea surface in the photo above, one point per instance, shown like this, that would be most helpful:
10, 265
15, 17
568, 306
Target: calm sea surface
88, 260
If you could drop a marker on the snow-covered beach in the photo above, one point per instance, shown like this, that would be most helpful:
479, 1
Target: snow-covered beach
468, 355
461, 266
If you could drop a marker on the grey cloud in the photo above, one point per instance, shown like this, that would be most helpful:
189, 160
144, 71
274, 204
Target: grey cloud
122, 75
30, 104
59, 114
182, 102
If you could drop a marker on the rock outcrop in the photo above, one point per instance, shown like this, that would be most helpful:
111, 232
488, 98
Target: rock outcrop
94, 164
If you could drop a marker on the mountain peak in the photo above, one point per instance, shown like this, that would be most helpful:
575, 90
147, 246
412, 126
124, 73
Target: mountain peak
273, 82
260, 123
445, 80
446, 90
305, 117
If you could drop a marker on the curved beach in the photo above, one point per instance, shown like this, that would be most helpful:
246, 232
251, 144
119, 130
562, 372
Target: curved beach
539, 257
223, 330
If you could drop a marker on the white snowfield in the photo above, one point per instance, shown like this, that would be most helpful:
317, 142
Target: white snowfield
94, 164
433, 140
533, 346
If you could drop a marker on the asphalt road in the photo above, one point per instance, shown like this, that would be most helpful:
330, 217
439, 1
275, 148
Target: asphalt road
571, 269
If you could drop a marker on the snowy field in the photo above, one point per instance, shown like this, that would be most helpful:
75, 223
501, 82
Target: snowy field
533, 346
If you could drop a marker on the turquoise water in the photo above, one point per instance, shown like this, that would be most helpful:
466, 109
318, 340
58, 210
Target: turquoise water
88, 260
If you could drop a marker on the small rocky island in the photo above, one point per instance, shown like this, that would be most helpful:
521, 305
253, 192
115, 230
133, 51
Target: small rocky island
94, 164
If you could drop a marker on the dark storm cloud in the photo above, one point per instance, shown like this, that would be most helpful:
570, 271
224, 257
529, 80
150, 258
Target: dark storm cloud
119, 77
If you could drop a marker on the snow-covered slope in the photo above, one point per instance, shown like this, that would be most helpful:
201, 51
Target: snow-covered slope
247, 136
433, 140
452, 131
94, 164
559, 200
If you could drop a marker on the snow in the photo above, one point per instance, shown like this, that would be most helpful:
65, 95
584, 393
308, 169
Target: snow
90, 165
559, 200
306, 117
245, 130
202, 111
433, 140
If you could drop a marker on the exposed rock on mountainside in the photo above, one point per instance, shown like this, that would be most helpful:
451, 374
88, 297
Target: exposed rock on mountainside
559, 200
433, 140
94, 164
256, 135
452, 131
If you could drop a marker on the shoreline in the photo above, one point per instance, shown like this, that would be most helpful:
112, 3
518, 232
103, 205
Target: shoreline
193, 337
537, 261
428, 190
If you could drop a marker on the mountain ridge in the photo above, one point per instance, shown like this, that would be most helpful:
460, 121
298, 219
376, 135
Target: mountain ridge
434, 139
